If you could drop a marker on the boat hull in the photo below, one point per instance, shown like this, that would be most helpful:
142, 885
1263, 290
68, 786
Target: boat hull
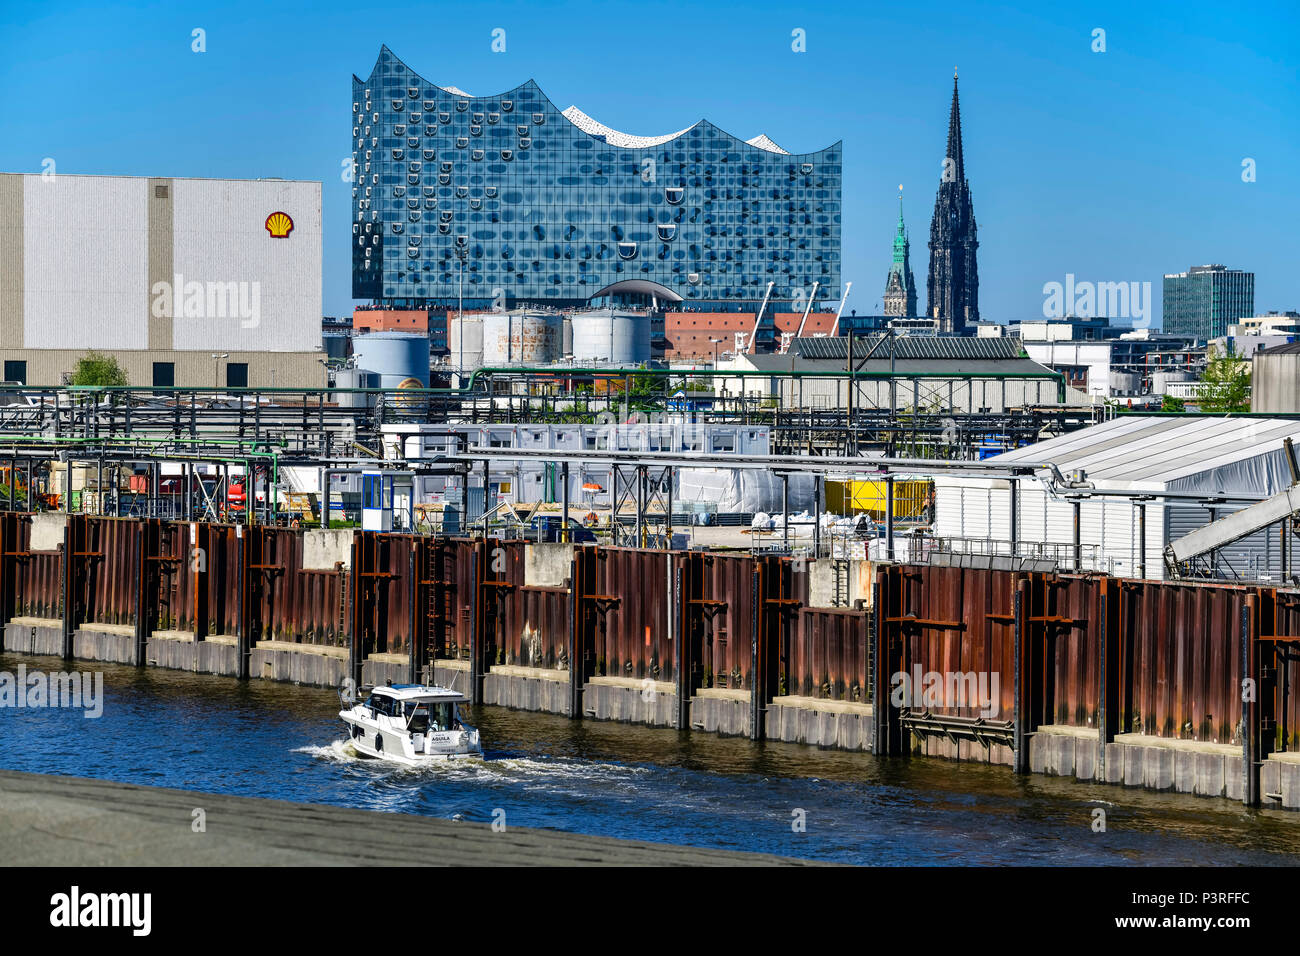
384, 743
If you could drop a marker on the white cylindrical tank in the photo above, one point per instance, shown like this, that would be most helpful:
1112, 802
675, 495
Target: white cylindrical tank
1125, 383
473, 332
521, 338
399, 357
611, 336
1160, 381
355, 378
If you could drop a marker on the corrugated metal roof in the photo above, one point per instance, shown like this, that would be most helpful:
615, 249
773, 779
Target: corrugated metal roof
920, 347
1161, 449
957, 368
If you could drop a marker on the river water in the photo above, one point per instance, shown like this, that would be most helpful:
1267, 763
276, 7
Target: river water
261, 739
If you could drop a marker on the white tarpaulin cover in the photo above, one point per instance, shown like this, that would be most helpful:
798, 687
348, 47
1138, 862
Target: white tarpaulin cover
742, 490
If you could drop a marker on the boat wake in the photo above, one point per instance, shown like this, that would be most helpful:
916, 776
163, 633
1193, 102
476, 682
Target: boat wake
503, 768
340, 751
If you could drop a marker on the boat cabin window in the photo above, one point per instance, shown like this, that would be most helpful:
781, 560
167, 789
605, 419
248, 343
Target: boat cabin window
382, 704
427, 716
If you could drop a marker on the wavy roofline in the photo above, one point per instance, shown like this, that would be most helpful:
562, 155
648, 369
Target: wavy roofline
616, 137
758, 142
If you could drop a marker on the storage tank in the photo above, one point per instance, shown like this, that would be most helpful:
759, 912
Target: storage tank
1125, 384
1160, 381
355, 378
611, 336
521, 338
398, 357
336, 345
473, 329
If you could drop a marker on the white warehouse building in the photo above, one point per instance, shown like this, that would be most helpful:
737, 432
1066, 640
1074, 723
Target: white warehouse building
1172, 469
161, 274
925, 372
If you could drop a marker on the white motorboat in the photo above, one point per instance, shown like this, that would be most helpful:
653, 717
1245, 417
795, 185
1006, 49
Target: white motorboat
410, 724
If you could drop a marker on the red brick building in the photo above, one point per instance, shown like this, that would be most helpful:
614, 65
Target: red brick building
390, 320
690, 335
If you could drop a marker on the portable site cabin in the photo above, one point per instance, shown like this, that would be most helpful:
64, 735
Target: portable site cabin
1204, 467
387, 500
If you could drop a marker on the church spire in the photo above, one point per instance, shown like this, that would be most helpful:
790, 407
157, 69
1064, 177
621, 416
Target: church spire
952, 292
958, 171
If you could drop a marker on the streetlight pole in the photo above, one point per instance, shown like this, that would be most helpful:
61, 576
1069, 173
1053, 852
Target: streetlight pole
216, 367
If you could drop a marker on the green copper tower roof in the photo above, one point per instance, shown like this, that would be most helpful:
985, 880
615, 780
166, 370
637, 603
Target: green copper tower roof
900, 286
900, 240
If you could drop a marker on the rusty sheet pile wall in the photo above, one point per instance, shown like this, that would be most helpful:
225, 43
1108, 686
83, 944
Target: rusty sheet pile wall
383, 583
35, 576
974, 660
829, 656
1180, 656
1208, 663
535, 628
109, 595
697, 620
631, 633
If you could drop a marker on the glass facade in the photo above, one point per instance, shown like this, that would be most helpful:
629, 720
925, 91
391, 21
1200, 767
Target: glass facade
1205, 300
538, 210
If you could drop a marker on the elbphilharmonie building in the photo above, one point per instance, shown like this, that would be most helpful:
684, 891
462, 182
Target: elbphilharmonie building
507, 200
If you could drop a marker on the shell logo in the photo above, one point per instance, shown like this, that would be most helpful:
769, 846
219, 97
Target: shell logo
406, 385
279, 225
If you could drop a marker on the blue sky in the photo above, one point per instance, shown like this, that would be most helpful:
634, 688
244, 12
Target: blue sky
1114, 166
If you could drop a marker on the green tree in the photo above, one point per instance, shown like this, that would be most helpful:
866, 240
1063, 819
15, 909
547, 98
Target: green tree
1170, 404
1225, 385
95, 368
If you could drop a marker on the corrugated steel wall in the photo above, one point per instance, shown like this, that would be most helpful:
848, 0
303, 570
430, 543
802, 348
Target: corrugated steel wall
535, 630
451, 570
951, 620
1280, 617
730, 599
631, 603
1161, 658
382, 580
1072, 632
299, 605
38, 587
1171, 652
828, 655
111, 597
1182, 664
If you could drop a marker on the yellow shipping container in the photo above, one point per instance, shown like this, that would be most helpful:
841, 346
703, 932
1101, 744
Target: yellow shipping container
849, 497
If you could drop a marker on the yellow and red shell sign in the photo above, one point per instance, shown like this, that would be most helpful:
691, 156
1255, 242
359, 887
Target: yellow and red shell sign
279, 225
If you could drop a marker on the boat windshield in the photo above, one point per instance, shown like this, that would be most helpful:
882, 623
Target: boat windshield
423, 716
